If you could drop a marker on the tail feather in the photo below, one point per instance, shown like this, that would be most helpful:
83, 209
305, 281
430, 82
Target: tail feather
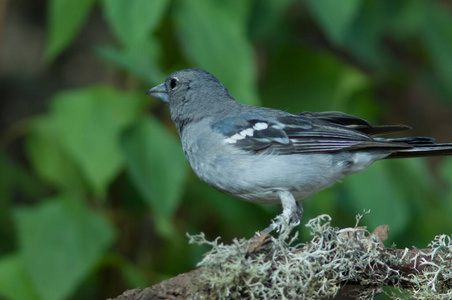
421, 146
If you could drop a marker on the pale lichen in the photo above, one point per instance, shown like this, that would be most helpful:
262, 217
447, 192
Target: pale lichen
282, 269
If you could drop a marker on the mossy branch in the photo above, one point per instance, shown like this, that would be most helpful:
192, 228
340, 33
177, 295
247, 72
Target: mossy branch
348, 261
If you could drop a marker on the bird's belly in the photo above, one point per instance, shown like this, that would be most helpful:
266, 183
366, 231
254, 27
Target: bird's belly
258, 178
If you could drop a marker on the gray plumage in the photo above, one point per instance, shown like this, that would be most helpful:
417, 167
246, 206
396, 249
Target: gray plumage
265, 155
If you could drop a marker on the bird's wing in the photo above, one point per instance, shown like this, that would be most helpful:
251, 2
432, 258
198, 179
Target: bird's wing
353, 122
297, 134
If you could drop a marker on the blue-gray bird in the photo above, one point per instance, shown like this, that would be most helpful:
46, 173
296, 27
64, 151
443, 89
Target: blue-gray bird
265, 155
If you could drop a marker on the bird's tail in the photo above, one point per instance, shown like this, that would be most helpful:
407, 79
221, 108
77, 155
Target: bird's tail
421, 146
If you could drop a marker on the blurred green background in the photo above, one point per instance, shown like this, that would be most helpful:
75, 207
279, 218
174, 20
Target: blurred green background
95, 194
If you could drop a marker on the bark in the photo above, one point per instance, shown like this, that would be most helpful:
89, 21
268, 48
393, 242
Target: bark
185, 286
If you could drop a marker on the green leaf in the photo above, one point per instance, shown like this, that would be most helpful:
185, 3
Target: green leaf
446, 171
14, 281
133, 20
364, 35
60, 242
213, 37
267, 19
407, 18
310, 81
377, 190
8, 184
64, 20
156, 163
133, 274
14, 177
437, 32
48, 158
138, 63
88, 123
334, 16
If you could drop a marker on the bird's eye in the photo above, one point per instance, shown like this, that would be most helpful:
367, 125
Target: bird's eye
173, 83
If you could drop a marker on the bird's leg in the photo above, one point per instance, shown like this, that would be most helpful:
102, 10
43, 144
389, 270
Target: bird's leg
292, 209
292, 212
299, 213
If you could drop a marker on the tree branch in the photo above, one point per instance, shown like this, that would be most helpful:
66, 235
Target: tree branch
337, 262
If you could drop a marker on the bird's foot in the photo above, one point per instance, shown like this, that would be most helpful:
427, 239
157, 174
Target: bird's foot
282, 224
290, 217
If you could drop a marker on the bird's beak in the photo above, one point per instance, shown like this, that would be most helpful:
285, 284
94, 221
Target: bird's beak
159, 92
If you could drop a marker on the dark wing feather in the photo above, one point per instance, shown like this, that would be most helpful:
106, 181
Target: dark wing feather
324, 136
300, 134
353, 122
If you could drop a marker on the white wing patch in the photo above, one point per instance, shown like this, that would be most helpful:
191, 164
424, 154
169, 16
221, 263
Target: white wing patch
260, 126
246, 132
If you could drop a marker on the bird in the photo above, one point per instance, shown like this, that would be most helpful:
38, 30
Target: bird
264, 155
